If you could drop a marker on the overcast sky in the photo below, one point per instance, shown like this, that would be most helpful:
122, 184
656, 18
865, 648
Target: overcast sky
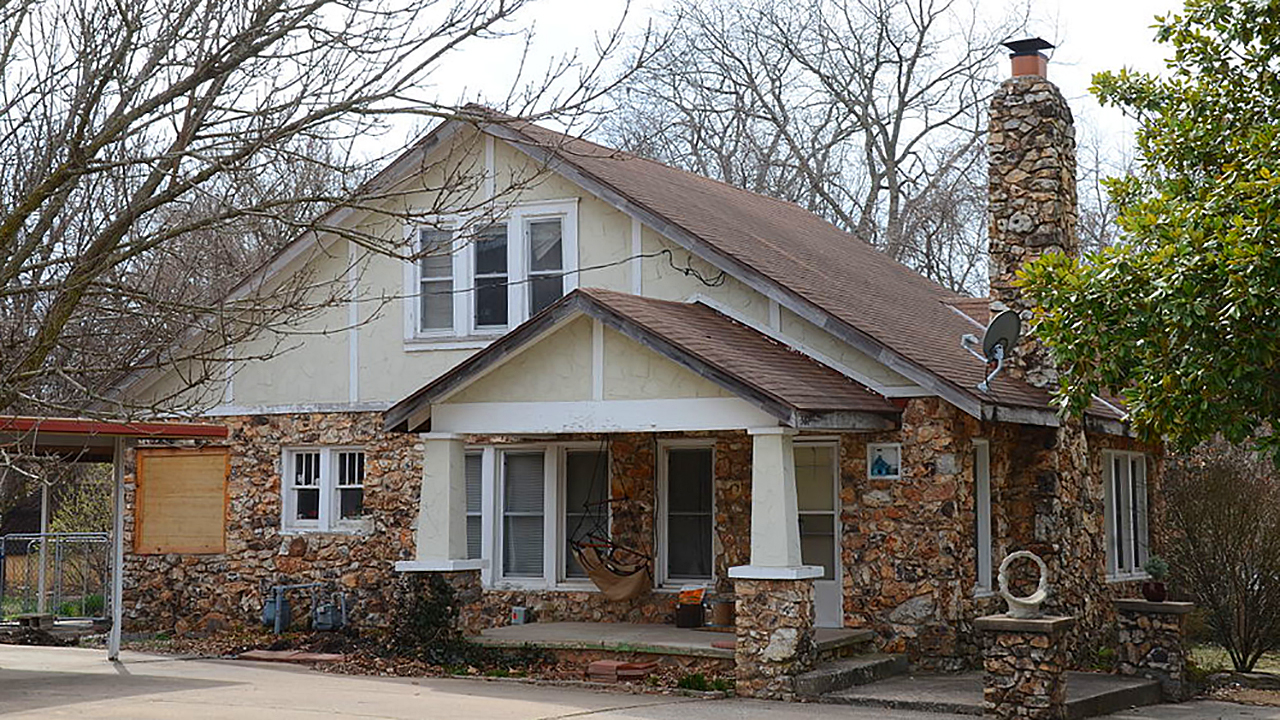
1092, 35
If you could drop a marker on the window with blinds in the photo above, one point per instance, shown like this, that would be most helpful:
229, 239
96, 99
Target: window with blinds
474, 463
523, 487
435, 280
586, 510
688, 513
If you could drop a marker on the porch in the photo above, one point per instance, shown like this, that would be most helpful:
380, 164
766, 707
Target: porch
650, 639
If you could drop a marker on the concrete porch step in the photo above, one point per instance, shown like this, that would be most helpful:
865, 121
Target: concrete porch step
836, 643
1088, 694
846, 673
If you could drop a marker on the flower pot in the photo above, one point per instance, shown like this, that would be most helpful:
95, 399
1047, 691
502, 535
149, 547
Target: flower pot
1154, 591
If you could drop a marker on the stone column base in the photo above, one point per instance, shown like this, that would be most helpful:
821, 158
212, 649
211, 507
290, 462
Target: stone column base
775, 636
1153, 644
1025, 663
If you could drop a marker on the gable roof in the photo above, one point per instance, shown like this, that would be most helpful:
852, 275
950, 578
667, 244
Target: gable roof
795, 388
826, 275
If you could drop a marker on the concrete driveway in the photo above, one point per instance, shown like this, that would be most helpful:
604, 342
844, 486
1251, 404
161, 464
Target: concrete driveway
76, 683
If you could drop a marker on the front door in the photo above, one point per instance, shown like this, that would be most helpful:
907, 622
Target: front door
817, 495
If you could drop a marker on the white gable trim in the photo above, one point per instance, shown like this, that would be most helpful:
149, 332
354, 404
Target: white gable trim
772, 332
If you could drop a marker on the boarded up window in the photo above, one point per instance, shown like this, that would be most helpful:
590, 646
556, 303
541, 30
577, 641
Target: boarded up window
181, 501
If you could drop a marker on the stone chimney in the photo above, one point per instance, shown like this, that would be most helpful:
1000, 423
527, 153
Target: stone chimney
1032, 190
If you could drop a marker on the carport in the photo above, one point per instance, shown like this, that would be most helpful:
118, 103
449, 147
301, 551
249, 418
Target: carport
99, 441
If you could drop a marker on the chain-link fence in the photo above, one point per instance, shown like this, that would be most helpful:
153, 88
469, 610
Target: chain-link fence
71, 570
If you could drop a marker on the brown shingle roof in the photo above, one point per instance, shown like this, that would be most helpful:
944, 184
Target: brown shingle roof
749, 356
803, 254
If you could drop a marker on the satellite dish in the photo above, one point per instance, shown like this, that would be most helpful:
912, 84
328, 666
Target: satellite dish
997, 344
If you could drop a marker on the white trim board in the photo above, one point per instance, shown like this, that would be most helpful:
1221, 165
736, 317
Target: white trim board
678, 415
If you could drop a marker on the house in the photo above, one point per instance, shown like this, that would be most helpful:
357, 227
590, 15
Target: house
721, 382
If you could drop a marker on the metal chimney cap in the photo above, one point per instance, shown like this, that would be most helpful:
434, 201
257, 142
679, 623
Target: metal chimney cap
1030, 46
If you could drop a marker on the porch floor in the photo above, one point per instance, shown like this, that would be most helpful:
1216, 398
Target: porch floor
638, 637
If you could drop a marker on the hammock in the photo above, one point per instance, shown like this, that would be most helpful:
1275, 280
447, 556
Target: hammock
620, 572
617, 581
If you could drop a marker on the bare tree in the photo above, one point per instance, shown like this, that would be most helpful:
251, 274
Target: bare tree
868, 112
155, 148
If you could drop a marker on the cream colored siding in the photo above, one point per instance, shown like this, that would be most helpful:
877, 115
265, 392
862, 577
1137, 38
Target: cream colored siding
634, 372
558, 368
313, 365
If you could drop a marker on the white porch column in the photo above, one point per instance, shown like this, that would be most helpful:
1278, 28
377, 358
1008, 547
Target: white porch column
442, 509
775, 523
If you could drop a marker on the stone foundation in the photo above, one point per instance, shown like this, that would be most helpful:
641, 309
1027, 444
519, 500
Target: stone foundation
1025, 663
1153, 644
775, 636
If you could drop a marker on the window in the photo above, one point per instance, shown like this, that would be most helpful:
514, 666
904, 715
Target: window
982, 502
475, 515
491, 277
323, 489
546, 262
480, 277
435, 280
687, 514
586, 502
522, 514
816, 502
1124, 475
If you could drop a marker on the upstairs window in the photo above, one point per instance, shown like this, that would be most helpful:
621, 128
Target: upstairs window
491, 277
476, 278
323, 489
435, 281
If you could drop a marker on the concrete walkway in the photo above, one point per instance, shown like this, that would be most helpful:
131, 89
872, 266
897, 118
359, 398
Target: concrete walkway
79, 683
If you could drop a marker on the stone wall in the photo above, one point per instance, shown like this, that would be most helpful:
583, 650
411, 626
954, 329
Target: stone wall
909, 544
190, 592
1025, 663
1153, 644
775, 636
186, 592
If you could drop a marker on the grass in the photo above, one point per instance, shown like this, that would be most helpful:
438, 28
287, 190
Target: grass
1214, 658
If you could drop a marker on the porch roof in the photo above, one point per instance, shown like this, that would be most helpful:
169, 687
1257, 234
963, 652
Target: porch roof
90, 440
794, 388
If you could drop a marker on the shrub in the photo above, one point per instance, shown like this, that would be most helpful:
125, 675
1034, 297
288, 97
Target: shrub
694, 681
1223, 517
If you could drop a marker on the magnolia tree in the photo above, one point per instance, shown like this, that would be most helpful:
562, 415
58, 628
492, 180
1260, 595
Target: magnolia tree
1182, 317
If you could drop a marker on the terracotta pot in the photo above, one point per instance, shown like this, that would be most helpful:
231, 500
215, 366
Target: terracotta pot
1154, 591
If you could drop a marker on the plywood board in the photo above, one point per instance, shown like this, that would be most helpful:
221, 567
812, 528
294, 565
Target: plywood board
181, 501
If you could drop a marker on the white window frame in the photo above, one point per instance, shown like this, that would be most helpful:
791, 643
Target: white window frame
1127, 514
554, 528
837, 510
519, 296
562, 578
984, 559
664, 579
328, 520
